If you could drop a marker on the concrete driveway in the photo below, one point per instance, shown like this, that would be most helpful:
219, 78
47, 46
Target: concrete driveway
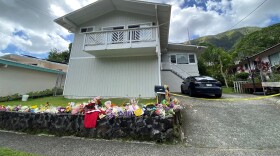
242, 124
210, 128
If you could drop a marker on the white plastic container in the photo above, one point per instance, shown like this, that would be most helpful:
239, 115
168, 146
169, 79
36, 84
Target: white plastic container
24, 97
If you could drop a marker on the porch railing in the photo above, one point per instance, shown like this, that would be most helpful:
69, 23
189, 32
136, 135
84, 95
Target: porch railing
121, 36
175, 69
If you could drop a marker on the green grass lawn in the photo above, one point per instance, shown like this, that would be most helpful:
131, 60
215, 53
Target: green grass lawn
228, 90
10, 152
61, 101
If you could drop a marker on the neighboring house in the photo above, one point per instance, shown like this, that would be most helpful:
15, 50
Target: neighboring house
121, 49
270, 55
21, 74
25, 59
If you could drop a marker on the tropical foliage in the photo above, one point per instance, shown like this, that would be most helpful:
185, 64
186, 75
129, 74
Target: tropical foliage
225, 48
61, 57
216, 61
257, 41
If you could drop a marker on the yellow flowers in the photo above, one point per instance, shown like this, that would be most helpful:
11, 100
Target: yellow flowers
34, 107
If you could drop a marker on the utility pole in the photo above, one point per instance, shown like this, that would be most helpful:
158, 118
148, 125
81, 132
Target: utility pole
189, 36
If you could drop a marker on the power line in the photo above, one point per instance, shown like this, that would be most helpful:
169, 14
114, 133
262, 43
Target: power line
248, 14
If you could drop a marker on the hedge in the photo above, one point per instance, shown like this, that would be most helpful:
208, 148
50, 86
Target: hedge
32, 95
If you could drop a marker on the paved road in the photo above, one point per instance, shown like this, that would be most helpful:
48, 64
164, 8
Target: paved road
211, 128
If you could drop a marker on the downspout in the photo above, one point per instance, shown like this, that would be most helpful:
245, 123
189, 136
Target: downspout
158, 49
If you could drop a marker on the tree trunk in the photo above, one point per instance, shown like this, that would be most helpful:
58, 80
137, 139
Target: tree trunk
223, 74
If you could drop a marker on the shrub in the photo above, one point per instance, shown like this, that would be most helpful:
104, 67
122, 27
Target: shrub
242, 76
4, 98
14, 97
230, 80
33, 95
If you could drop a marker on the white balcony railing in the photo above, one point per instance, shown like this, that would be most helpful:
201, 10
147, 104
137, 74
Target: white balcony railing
120, 36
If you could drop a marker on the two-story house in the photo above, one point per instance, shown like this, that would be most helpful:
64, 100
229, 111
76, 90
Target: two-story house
121, 49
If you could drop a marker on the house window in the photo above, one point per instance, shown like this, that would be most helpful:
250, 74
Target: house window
191, 58
173, 59
274, 59
182, 59
86, 29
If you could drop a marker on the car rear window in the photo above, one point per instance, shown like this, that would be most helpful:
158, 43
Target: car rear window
205, 79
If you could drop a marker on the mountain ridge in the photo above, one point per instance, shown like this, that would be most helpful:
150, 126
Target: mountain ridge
227, 39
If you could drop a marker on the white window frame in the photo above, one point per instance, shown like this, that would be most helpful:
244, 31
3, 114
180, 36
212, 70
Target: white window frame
170, 58
195, 61
113, 27
147, 23
93, 27
273, 63
187, 54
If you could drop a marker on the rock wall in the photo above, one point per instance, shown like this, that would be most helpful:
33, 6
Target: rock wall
138, 128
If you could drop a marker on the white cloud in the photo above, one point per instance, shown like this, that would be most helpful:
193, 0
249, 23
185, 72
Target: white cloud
57, 10
74, 4
35, 19
2, 54
218, 17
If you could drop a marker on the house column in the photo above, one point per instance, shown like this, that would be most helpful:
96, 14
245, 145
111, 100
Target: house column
159, 68
158, 50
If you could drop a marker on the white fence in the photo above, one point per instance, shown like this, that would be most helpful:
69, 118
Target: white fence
121, 36
237, 86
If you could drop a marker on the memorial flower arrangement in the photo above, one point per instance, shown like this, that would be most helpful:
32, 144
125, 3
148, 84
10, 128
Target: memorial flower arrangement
109, 110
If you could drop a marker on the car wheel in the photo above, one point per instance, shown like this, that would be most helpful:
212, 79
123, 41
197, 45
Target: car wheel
218, 95
182, 90
191, 92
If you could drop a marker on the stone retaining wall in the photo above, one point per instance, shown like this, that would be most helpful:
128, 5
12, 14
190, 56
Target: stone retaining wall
138, 128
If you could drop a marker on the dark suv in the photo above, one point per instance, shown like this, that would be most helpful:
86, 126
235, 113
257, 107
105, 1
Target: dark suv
194, 85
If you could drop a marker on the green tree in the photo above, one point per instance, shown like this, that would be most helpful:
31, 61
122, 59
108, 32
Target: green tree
60, 57
258, 41
202, 68
217, 61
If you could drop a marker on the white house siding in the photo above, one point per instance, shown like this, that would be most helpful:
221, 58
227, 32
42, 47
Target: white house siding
77, 47
112, 77
19, 80
172, 80
119, 18
191, 69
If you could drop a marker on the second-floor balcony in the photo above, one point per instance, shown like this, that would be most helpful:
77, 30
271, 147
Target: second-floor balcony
126, 42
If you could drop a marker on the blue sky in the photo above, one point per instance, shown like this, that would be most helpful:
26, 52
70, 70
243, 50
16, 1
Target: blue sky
28, 28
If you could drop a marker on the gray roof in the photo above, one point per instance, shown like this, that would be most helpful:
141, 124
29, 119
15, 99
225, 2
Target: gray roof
185, 47
92, 11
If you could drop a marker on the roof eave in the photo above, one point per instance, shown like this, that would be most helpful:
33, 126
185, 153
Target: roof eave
21, 65
65, 21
